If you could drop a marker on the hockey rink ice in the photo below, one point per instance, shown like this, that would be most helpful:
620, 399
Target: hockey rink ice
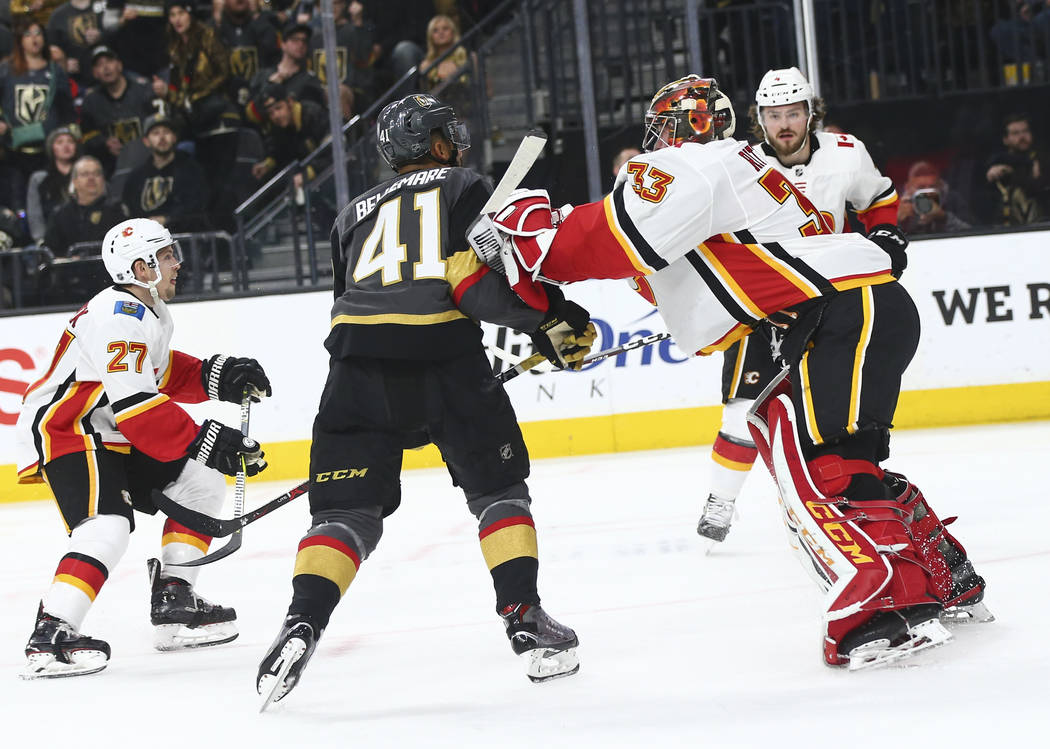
678, 648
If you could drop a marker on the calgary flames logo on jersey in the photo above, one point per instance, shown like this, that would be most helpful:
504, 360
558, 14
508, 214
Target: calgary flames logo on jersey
29, 102
155, 192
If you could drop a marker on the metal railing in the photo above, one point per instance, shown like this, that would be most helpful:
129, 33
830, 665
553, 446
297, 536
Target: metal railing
34, 277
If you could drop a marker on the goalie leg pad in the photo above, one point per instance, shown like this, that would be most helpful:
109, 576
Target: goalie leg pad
860, 553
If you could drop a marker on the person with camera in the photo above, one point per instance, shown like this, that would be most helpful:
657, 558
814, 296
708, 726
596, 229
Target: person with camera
924, 207
1017, 177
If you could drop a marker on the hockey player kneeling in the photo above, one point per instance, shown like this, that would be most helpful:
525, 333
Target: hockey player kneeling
102, 428
725, 245
408, 367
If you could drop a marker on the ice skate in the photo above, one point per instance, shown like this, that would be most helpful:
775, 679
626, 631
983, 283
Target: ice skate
56, 649
716, 519
283, 665
891, 636
549, 647
966, 606
181, 619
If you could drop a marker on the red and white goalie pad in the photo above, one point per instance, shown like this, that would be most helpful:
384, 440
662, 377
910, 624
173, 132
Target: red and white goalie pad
859, 553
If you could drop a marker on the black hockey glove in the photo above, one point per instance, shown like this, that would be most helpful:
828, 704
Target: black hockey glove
893, 242
221, 447
225, 377
566, 334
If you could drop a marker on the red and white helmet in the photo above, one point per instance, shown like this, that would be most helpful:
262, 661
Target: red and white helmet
136, 239
689, 110
780, 87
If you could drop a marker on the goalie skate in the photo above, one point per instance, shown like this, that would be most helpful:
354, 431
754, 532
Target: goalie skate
548, 646
56, 650
283, 665
183, 620
891, 636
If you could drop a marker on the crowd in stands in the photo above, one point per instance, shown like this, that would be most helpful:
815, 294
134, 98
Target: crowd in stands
112, 108
178, 110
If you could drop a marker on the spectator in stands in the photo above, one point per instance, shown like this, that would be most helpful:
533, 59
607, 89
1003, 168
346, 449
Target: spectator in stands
49, 188
7, 42
450, 79
401, 30
291, 72
75, 28
113, 111
252, 41
171, 187
136, 30
293, 129
200, 70
924, 203
35, 98
88, 216
1021, 184
354, 39
622, 158
1015, 37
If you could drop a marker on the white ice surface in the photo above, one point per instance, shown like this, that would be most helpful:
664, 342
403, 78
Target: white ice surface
678, 648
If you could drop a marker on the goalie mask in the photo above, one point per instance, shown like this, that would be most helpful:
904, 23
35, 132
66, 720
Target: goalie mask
404, 128
137, 239
689, 110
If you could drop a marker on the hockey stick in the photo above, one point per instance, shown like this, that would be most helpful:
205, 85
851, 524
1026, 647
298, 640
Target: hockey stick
238, 497
528, 151
526, 364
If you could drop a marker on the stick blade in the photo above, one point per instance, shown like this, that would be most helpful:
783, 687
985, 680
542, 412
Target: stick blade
192, 519
232, 546
529, 150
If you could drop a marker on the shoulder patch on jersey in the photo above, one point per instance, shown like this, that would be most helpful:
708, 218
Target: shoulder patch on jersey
135, 309
843, 140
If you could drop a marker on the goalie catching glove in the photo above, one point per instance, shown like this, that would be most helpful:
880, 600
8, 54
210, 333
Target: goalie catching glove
893, 242
566, 334
225, 378
221, 447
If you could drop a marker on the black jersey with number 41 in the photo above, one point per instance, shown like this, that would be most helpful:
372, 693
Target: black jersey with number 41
407, 284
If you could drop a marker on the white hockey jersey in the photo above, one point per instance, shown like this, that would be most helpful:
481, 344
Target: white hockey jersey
110, 385
840, 171
721, 238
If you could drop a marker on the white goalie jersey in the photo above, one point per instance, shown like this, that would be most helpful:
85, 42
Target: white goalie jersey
718, 239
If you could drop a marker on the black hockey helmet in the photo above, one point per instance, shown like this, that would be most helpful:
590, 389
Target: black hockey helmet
404, 128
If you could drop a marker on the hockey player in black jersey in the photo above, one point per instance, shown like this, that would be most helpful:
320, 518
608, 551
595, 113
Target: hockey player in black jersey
408, 368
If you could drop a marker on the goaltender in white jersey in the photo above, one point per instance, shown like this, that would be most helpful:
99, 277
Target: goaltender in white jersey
833, 170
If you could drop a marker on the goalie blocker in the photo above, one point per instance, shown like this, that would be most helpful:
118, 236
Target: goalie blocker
889, 568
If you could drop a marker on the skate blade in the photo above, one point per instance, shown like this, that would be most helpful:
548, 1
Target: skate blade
975, 613
928, 634
545, 664
45, 666
169, 637
274, 686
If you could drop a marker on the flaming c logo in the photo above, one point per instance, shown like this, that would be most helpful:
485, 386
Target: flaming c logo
128, 231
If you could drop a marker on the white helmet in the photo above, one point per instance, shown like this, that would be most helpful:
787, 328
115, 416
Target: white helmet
136, 239
784, 86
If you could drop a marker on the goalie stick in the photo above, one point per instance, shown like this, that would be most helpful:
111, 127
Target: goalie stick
529, 150
526, 364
